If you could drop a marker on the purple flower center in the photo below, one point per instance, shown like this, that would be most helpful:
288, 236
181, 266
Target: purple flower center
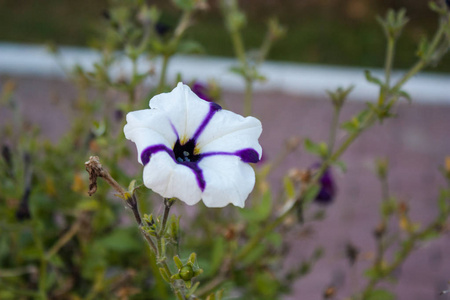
185, 153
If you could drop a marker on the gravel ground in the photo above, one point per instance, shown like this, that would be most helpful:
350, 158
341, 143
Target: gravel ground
416, 143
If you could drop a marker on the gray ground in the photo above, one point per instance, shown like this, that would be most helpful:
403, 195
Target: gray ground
416, 143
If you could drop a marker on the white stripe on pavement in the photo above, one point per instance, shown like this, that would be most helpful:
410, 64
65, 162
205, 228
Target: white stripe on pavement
292, 78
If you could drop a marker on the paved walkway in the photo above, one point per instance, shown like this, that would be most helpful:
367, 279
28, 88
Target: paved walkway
290, 78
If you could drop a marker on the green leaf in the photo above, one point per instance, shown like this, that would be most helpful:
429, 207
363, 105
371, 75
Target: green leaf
430, 236
289, 187
319, 149
422, 49
211, 297
436, 8
275, 238
238, 70
256, 253
265, 207
88, 205
266, 285
311, 193
217, 254
388, 207
380, 295
249, 215
442, 201
341, 165
192, 289
372, 79
356, 122
371, 273
261, 210
121, 240
350, 126
190, 47
405, 95
177, 262
185, 4
164, 274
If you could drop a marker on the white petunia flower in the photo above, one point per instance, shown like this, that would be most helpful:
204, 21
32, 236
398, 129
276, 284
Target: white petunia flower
194, 150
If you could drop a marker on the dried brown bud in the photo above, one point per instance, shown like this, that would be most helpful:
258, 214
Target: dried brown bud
94, 168
380, 230
293, 143
295, 175
352, 253
329, 293
403, 207
305, 176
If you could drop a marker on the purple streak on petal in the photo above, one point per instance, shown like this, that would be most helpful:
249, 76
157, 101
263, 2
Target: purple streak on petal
247, 155
147, 153
174, 130
197, 172
213, 108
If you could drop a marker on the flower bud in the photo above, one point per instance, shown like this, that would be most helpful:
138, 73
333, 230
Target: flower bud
186, 272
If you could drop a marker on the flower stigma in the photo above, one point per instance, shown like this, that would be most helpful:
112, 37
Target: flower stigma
185, 153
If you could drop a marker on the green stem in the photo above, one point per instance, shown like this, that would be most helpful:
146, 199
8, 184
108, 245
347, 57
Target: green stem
389, 59
162, 78
168, 202
422, 62
132, 85
413, 71
149, 241
256, 239
403, 254
248, 99
239, 50
265, 48
333, 129
64, 239
43, 266
182, 25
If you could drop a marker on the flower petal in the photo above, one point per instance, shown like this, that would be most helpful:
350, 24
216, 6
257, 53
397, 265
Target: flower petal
155, 120
228, 180
144, 138
230, 132
170, 179
184, 108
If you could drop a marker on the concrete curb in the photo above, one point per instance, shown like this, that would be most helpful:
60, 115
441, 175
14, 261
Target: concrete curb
291, 78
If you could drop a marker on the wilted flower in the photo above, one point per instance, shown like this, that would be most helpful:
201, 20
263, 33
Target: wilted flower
192, 149
201, 90
327, 187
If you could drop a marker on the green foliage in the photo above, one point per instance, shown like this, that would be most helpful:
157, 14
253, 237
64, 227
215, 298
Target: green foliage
357, 122
380, 295
319, 149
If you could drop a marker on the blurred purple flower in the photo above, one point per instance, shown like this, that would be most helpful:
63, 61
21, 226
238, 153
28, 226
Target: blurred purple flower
162, 28
202, 91
118, 115
327, 187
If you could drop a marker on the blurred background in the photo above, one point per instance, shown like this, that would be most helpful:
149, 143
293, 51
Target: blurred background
328, 33
336, 32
